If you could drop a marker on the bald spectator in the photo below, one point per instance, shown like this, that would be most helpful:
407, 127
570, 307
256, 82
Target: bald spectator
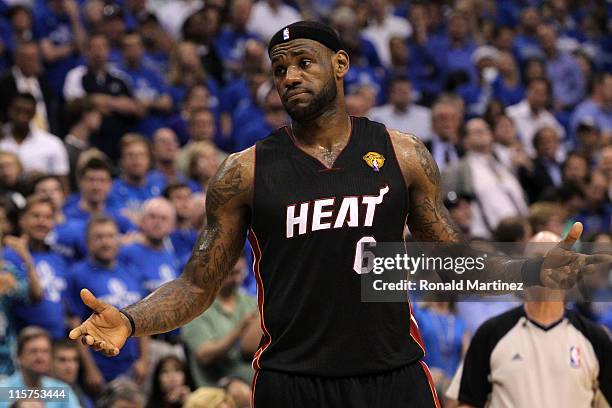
497, 192
532, 113
444, 145
153, 262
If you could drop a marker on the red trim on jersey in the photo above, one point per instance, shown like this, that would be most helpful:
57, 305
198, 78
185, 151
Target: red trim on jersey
289, 131
253, 389
431, 383
414, 328
260, 297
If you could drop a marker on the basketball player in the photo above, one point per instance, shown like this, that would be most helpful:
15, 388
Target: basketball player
307, 196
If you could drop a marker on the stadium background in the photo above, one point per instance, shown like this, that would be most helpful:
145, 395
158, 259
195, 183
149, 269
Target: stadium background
188, 82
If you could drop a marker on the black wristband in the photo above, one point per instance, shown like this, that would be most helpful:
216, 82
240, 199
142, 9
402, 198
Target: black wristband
530, 271
131, 319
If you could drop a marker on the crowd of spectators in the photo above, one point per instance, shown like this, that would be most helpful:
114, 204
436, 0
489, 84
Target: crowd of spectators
116, 114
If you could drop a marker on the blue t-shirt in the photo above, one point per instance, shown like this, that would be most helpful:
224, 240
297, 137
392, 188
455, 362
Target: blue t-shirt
58, 30
444, 339
68, 239
50, 312
76, 213
230, 45
183, 241
131, 197
146, 85
251, 133
508, 96
115, 286
151, 267
16, 381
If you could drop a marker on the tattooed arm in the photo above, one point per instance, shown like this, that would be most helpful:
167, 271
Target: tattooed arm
429, 220
177, 302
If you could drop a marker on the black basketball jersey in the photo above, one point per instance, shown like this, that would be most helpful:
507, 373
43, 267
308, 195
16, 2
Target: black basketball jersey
306, 224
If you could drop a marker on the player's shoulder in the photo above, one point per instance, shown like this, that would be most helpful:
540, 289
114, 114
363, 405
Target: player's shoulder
404, 142
233, 181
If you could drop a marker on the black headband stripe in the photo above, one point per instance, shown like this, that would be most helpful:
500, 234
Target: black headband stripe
309, 30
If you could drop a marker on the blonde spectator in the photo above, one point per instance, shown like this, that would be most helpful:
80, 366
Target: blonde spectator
209, 397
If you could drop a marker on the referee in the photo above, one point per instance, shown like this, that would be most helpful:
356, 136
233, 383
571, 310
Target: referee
536, 355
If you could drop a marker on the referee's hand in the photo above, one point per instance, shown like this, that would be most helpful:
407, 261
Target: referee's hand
106, 330
562, 267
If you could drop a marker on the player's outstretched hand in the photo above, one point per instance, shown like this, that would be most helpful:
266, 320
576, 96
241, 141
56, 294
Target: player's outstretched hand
106, 330
562, 267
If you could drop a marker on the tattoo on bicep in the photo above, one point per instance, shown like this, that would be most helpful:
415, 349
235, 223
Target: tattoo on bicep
227, 183
427, 163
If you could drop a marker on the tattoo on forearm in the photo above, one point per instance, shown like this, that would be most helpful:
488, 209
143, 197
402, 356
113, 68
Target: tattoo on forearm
431, 222
217, 249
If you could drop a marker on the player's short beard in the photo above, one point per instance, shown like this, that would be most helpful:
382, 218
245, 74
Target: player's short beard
319, 104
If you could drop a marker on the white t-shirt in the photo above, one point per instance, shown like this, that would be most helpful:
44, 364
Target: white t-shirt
381, 34
416, 120
265, 21
39, 151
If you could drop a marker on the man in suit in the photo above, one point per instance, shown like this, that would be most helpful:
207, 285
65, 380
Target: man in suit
545, 171
25, 77
445, 122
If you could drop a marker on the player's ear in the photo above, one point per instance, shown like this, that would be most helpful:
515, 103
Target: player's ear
341, 63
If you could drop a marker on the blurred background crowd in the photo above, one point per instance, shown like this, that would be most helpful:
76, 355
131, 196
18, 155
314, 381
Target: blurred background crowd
115, 115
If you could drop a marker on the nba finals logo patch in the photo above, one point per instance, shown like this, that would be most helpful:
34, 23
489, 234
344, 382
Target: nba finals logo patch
374, 160
574, 357
286, 34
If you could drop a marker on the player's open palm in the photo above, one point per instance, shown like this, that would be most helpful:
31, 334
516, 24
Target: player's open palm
562, 267
105, 330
